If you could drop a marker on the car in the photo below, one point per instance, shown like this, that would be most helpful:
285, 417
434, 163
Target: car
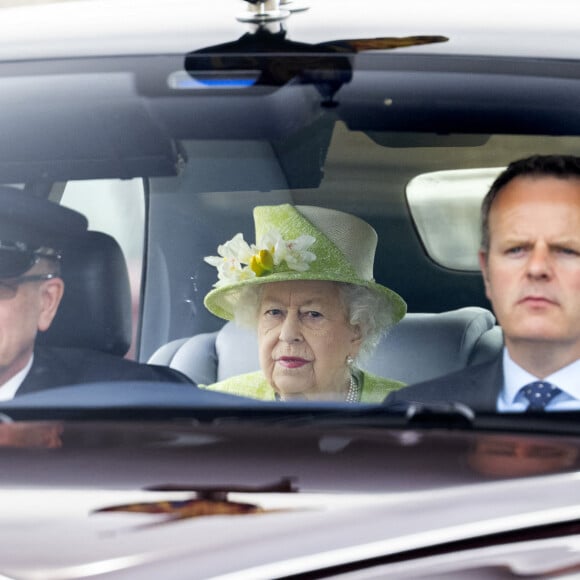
166, 123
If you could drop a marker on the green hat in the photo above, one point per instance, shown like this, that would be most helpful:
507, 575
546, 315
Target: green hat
298, 243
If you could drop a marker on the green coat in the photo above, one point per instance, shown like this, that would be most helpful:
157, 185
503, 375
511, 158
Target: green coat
254, 385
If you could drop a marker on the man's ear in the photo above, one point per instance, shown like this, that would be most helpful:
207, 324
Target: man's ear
483, 265
51, 295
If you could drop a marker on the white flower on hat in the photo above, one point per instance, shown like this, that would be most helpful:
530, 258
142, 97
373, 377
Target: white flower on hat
230, 264
294, 252
237, 261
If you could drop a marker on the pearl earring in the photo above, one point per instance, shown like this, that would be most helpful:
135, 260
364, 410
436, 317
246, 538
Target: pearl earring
349, 360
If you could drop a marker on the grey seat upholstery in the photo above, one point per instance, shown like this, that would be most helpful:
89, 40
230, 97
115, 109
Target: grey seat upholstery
431, 345
95, 312
488, 345
420, 347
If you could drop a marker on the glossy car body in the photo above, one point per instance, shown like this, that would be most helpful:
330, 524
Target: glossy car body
138, 114
309, 499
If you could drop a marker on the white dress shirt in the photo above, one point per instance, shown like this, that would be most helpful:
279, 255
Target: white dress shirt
9, 388
510, 398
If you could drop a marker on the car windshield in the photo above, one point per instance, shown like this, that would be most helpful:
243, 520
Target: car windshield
169, 143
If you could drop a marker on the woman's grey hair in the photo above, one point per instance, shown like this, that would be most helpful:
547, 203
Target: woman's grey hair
366, 308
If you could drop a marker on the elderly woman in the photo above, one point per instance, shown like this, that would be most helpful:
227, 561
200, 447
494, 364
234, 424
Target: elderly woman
307, 288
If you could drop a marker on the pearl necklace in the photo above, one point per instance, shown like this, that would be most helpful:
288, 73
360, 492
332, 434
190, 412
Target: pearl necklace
353, 393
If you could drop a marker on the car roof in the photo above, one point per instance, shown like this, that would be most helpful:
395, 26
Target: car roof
90, 27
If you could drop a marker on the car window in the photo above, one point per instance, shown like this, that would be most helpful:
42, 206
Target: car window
116, 208
445, 206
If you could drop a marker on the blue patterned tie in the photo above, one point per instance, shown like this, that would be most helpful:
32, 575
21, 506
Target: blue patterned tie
539, 394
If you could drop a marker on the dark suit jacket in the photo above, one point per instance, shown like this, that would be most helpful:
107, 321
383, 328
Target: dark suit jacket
57, 367
477, 387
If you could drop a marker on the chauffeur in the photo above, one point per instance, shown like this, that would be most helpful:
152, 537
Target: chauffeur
32, 232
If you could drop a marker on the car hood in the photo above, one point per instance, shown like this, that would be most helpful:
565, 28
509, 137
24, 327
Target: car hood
262, 501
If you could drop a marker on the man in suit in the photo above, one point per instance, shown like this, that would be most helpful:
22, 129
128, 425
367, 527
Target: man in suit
32, 233
530, 261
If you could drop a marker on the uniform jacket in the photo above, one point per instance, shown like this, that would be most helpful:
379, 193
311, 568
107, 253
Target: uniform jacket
57, 367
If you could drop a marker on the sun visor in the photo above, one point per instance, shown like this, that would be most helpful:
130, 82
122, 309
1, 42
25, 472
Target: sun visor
46, 139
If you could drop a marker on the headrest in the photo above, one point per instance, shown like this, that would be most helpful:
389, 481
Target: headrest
428, 345
96, 308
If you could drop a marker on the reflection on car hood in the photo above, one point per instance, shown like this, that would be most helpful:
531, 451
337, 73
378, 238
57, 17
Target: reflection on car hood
171, 501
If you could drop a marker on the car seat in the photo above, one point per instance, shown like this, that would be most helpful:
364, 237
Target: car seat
95, 311
422, 346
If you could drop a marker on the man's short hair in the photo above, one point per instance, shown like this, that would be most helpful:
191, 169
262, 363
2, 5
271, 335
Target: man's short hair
560, 166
